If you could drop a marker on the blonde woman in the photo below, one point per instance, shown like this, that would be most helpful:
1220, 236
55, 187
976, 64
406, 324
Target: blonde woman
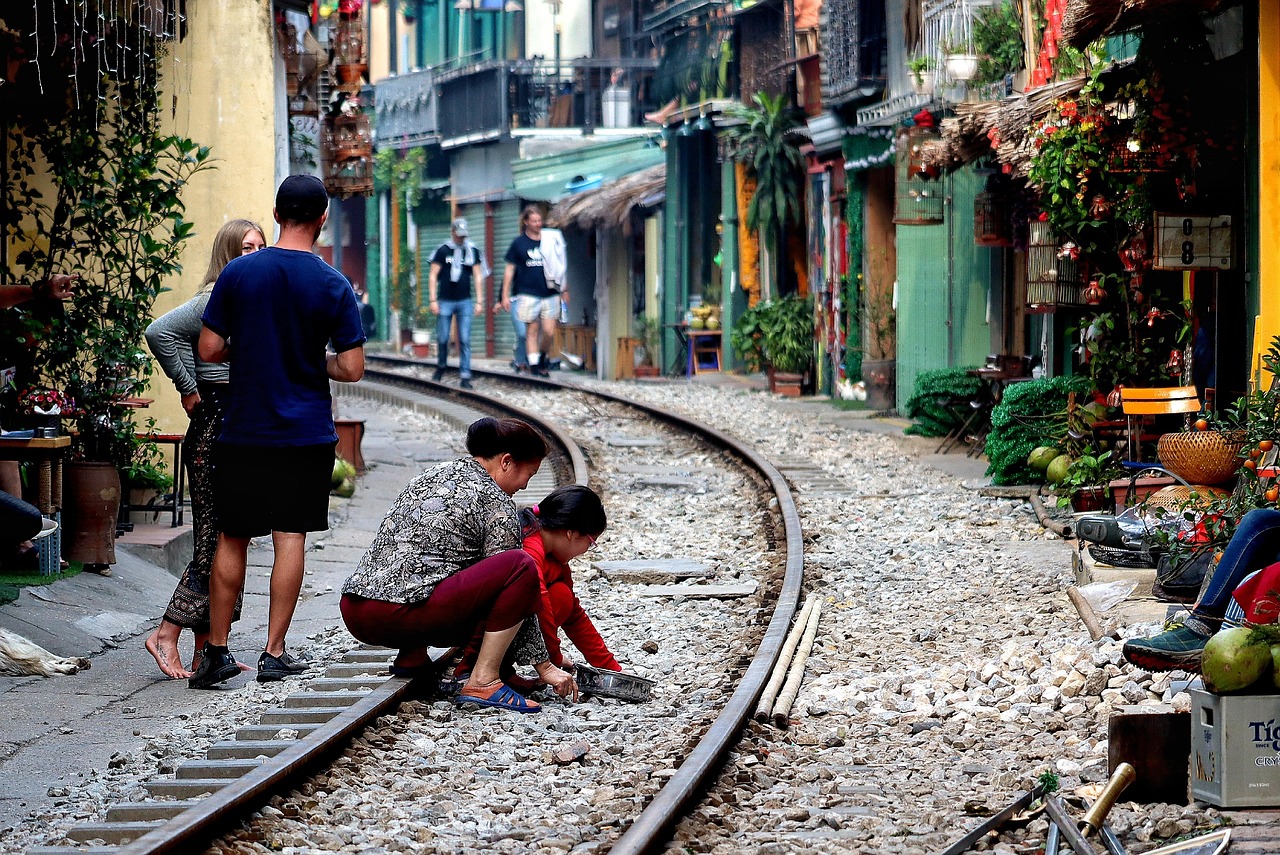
172, 338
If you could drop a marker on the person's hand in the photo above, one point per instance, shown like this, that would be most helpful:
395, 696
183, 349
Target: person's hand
564, 297
479, 309
190, 402
505, 305
561, 682
434, 306
59, 286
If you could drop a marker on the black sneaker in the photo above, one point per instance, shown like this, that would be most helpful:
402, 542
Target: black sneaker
272, 668
466, 384
437, 375
215, 667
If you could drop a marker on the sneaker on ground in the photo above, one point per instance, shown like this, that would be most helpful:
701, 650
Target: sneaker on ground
214, 668
272, 668
466, 384
437, 375
1177, 648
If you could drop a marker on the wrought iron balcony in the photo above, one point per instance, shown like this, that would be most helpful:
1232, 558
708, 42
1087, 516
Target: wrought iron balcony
854, 44
490, 100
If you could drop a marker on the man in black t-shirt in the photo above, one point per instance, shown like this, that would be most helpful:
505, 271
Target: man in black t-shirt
536, 303
451, 296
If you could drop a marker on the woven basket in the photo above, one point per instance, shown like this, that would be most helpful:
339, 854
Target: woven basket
1178, 497
1199, 457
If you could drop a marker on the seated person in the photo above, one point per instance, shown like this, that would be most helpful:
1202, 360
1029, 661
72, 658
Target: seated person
1254, 545
558, 529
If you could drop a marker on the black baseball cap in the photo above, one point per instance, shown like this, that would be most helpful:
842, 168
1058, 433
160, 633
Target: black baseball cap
301, 198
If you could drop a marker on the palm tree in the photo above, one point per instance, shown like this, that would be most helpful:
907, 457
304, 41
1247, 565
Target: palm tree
767, 139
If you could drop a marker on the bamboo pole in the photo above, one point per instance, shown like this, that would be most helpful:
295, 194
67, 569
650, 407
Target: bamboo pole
1087, 614
765, 704
782, 708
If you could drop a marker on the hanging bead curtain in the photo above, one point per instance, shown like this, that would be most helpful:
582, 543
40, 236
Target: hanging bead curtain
1053, 274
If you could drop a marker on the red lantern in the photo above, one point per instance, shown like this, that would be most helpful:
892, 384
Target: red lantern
1095, 293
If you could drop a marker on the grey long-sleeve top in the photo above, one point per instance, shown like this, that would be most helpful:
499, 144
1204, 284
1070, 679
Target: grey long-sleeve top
172, 338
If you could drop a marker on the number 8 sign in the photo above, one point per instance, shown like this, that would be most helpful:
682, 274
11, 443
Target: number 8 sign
1192, 243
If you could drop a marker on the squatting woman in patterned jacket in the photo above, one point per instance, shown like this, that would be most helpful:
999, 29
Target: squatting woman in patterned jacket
447, 559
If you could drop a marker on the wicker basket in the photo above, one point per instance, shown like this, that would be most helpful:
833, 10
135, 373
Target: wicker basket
1200, 457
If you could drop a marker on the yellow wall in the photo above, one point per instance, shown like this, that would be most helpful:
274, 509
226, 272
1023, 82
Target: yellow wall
1268, 175
224, 81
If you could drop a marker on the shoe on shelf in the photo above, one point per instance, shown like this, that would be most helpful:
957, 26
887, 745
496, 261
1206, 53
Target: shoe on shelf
272, 668
466, 384
1178, 648
214, 668
437, 375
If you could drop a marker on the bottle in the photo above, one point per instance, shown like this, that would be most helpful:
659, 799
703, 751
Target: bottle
564, 313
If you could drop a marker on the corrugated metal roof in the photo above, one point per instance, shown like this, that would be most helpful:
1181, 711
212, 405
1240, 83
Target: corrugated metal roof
553, 177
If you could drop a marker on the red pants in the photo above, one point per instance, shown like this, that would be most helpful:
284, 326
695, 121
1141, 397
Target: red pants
489, 596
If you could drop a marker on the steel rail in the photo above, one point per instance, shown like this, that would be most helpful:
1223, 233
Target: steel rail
654, 824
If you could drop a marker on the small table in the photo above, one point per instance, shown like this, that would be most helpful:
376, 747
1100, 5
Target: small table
704, 351
48, 453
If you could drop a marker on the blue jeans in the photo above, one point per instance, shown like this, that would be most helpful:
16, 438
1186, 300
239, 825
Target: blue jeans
463, 309
1254, 545
18, 521
521, 350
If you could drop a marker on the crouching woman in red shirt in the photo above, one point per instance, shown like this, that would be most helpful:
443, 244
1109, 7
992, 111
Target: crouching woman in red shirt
558, 529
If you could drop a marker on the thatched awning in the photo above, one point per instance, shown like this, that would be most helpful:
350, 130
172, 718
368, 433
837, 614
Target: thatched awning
968, 135
609, 206
1087, 20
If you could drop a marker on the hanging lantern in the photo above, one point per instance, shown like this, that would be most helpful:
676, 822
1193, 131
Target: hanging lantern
1053, 273
992, 225
1094, 294
1174, 365
918, 189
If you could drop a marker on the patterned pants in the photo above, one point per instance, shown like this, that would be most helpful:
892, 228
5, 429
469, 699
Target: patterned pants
189, 606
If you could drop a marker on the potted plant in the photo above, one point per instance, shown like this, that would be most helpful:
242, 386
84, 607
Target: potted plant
747, 337
649, 332
145, 478
788, 342
961, 62
921, 68
1087, 484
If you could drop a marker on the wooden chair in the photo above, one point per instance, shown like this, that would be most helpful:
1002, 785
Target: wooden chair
1141, 404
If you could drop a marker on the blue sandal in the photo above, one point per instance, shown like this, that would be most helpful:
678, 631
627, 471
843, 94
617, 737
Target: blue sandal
503, 697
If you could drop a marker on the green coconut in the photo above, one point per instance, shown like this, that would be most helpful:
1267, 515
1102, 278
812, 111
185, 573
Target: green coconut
1057, 468
346, 489
1234, 659
338, 473
1040, 458
1275, 665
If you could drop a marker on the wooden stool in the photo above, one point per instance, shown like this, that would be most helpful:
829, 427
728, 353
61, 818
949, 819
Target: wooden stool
174, 505
704, 351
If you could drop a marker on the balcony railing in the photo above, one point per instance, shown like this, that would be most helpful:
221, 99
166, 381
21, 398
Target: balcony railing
854, 37
405, 107
492, 99
948, 27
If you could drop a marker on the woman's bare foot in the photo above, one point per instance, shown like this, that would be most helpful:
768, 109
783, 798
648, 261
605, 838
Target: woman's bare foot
165, 650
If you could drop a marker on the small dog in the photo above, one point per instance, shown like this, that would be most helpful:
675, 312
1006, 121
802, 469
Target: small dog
22, 658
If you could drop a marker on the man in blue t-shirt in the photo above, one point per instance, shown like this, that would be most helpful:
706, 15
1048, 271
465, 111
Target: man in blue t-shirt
273, 314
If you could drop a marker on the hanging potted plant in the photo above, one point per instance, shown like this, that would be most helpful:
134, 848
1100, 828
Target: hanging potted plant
921, 68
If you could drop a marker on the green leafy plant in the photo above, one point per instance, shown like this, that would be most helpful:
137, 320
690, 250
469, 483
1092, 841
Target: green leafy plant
649, 331
1029, 414
787, 326
747, 336
147, 467
997, 37
116, 219
767, 138
932, 405
1086, 472
918, 66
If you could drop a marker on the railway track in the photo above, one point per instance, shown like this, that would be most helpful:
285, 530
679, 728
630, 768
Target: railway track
259, 767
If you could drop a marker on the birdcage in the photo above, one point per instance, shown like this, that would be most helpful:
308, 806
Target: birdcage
348, 51
991, 223
918, 190
1053, 274
348, 155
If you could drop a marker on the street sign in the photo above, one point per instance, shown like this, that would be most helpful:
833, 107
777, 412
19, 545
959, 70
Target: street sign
1193, 243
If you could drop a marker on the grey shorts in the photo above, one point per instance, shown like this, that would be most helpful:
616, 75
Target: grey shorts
529, 309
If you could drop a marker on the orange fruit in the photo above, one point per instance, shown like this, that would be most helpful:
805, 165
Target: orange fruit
1266, 445
1255, 452
1202, 424
1251, 464
1273, 494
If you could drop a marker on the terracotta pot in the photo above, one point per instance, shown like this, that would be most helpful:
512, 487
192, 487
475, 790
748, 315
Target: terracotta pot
1090, 499
350, 433
787, 384
91, 506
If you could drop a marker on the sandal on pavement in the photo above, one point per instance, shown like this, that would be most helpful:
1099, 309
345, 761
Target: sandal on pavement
500, 696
